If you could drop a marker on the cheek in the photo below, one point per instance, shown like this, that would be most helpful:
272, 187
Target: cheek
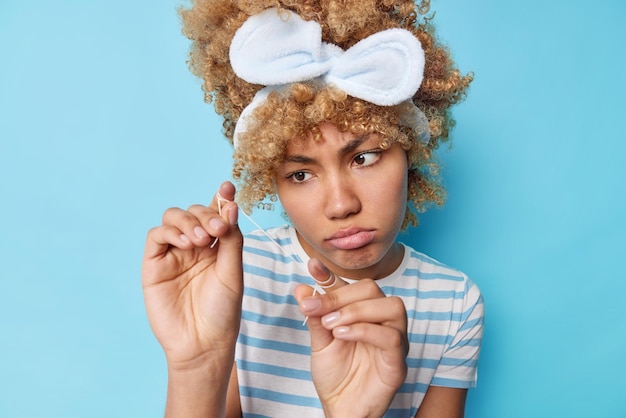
292, 209
293, 204
392, 194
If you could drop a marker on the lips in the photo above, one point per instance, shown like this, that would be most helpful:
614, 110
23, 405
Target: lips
351, 238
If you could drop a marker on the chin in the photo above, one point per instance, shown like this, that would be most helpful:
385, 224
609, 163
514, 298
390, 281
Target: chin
359, 259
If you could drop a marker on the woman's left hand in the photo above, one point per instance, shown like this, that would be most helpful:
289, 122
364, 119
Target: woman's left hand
358, 345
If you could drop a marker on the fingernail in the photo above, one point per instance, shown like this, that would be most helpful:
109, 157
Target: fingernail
200, 232
233, 214
311, 304
184, 238
215, 223
341, 331
330, 319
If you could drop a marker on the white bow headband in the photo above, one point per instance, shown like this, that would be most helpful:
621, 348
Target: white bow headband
274, 50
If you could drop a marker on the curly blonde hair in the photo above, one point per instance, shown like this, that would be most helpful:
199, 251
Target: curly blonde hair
211, 25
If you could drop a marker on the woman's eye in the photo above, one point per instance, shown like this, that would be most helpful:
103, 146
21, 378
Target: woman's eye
366, 158
299, 176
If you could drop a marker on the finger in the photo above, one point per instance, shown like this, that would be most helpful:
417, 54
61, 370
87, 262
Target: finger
324, 278
389, 340
379, 336
210, 221
215, 225
225, 193
232, 236
320, 336
340, 296
326, 281
229, 265
202, 224
223, 203
191, 226
389, 312
161, 238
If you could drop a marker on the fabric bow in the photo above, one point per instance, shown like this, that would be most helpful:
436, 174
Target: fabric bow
277, 47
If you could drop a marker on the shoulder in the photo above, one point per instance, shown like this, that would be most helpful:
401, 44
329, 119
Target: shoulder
267, 237
428, 269
273, 253
273, 243
434, 280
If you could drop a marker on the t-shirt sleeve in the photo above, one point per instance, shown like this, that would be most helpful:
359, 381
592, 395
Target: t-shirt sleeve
458, 367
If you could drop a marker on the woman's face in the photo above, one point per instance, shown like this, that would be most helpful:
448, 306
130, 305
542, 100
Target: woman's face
346, 197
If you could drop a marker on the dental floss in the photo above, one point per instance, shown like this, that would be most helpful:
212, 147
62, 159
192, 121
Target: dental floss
332, 279
221, 199
323, 285
328, 283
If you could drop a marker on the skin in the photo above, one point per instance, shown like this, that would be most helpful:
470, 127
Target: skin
349, 184
355, 194
343, 179
185, 283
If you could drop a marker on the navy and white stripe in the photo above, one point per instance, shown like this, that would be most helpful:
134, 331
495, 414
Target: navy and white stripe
445, 324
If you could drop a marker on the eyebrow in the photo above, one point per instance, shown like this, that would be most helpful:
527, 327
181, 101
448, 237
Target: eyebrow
354, 144
349, 147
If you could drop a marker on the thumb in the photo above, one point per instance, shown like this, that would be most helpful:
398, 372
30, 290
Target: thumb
309, 301
324, 278
231, 241
311, 304
230, 245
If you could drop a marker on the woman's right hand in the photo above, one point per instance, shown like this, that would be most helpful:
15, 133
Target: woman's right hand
192, 288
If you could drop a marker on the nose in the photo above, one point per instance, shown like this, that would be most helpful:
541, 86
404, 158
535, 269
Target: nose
342, 199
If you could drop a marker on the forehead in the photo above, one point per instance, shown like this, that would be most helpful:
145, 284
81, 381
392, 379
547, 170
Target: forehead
330, 139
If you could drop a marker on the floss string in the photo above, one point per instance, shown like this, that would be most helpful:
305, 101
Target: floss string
328, 283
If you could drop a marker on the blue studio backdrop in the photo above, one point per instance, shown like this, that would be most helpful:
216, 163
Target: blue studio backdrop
102, 128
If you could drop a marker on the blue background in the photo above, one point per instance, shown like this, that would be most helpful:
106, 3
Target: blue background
102, 128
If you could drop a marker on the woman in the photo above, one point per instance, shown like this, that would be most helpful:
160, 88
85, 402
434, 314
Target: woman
335, 109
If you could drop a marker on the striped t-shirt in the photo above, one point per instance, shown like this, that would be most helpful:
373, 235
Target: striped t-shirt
445, 324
